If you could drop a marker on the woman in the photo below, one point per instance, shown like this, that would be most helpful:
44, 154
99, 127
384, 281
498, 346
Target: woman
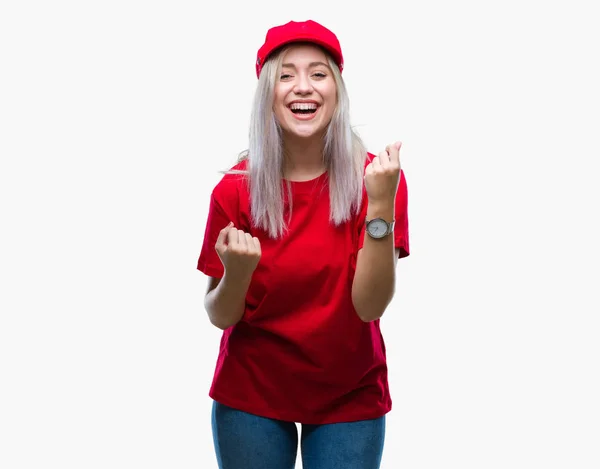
301, 244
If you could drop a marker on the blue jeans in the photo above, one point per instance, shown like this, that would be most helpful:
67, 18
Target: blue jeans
246, 441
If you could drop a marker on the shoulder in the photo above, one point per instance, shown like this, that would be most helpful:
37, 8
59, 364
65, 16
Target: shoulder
233, 180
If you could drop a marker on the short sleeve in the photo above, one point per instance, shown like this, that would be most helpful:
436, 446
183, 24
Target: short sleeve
401, 218
223, 208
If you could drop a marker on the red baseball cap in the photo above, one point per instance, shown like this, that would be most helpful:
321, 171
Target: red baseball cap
305, 31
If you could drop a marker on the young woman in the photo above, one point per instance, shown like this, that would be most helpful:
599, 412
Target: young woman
301, 244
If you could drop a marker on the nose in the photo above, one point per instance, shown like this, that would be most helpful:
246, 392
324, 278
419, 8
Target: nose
303, 85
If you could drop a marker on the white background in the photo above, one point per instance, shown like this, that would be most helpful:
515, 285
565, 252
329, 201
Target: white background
116, 117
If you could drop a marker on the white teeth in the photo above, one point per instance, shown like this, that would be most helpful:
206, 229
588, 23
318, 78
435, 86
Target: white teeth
303, 106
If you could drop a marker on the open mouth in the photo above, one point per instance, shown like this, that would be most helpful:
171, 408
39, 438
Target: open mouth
304, 109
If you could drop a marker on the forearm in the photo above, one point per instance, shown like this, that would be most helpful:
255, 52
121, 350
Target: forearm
375, 277
225, 304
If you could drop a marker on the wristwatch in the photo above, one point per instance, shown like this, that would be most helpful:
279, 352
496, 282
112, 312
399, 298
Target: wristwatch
378, 228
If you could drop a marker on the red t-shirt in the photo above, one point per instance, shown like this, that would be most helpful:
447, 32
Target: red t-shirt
300, 352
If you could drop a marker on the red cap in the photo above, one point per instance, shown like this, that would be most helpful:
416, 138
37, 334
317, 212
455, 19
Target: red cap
306, 31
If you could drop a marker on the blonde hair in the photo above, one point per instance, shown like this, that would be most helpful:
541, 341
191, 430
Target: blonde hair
344, 156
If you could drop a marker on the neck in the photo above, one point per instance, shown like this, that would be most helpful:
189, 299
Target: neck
303, 158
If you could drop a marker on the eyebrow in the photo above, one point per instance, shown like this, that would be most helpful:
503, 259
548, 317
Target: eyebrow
312, 64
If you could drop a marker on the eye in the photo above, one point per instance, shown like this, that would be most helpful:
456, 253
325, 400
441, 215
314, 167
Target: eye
285, 76
319, 75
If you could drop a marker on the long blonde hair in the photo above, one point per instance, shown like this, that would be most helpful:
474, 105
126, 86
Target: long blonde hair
344, 156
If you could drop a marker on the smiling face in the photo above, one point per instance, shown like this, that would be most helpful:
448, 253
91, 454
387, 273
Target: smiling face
305, 92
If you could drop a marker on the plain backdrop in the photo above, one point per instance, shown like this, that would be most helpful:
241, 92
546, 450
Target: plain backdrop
115, 118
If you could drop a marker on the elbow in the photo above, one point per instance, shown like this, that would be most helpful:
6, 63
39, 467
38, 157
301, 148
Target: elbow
368, 313
370, 299
221, 324
371, 309
220, 321
368, 316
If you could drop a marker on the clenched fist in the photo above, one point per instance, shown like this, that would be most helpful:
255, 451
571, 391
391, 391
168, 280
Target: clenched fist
239, 252
382, 175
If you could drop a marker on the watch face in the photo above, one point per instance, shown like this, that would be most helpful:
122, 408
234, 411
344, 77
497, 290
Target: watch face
377, 228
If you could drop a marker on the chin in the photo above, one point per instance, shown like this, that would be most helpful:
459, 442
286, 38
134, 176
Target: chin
307, 133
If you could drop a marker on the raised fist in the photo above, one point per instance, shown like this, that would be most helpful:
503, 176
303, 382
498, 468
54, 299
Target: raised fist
382, 175
239, 252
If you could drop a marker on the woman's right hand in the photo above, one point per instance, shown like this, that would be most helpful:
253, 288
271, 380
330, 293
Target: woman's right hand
239, 252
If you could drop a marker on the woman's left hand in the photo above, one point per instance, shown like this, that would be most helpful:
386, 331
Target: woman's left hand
382, 175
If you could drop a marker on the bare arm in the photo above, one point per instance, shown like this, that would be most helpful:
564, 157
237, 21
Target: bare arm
225, 301
375, 277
